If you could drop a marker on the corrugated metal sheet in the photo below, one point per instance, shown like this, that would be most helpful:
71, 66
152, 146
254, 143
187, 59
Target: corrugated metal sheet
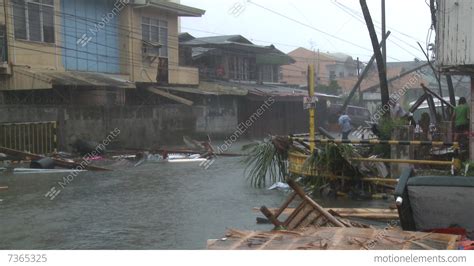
455, 31
76, 78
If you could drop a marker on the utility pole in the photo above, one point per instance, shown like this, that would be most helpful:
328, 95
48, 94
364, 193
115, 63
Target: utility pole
384, 31
385, 96
358, 77
312, 111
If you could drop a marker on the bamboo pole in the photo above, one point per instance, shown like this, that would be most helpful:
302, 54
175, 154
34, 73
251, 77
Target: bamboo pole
379, 160
370, 214
387, 142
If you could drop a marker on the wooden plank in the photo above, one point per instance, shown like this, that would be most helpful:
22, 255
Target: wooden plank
285, 204
170, 96
270, 216
316, 206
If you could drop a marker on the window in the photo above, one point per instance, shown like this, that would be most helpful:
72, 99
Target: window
156, 31
34, 20
3, 44
239, 68
268, 73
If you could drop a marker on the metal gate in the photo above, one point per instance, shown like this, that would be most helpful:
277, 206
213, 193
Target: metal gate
35, 137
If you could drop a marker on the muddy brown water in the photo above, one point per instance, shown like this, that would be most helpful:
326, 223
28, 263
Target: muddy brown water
154, 206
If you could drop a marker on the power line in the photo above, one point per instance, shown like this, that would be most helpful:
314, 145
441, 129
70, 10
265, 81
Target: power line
308, 26
117, 34
358, 17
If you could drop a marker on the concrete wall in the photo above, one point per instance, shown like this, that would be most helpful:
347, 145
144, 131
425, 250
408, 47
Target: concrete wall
140, 126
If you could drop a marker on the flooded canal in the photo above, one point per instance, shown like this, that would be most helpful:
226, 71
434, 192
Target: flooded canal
154, 206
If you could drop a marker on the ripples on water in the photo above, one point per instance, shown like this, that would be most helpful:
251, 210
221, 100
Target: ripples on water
154, 206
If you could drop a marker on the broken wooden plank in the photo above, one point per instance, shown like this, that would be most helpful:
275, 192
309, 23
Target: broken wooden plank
315, 205
170, 96
368, 214
271, 217
57, 162
285, 204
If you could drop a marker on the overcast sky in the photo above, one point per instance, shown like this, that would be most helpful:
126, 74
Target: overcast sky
409, 21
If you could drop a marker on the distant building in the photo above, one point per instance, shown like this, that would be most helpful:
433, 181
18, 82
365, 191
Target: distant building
232, 58
408, 88
329, 67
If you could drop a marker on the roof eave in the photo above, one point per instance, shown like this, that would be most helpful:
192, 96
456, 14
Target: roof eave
180, 10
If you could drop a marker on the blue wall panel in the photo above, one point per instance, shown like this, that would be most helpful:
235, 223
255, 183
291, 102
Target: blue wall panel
101, 53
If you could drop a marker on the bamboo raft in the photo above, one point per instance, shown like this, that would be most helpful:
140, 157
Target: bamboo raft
331, 238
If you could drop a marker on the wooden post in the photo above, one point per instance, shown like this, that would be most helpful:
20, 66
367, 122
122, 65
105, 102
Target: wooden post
471, 139
312, 111
452, 97
384, 31
362, 76
379, 57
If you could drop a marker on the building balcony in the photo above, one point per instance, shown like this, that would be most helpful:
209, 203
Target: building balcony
179, 75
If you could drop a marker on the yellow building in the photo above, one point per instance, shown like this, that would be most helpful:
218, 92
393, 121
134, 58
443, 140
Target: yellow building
97, 46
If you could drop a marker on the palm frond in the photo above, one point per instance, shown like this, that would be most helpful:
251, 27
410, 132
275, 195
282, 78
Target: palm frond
265, 162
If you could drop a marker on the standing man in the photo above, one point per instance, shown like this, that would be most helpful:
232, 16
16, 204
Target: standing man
461, 118
345, 124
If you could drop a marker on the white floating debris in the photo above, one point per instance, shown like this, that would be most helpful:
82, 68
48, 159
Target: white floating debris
279, 186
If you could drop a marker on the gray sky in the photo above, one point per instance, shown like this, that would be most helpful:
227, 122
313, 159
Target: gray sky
409, 21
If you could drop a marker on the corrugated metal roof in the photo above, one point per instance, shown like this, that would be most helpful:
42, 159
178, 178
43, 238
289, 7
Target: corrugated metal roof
76, 78
238, 43
211, 88
179, 9
218, 40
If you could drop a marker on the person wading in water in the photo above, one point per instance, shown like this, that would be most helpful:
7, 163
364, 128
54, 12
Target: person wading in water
345, 124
